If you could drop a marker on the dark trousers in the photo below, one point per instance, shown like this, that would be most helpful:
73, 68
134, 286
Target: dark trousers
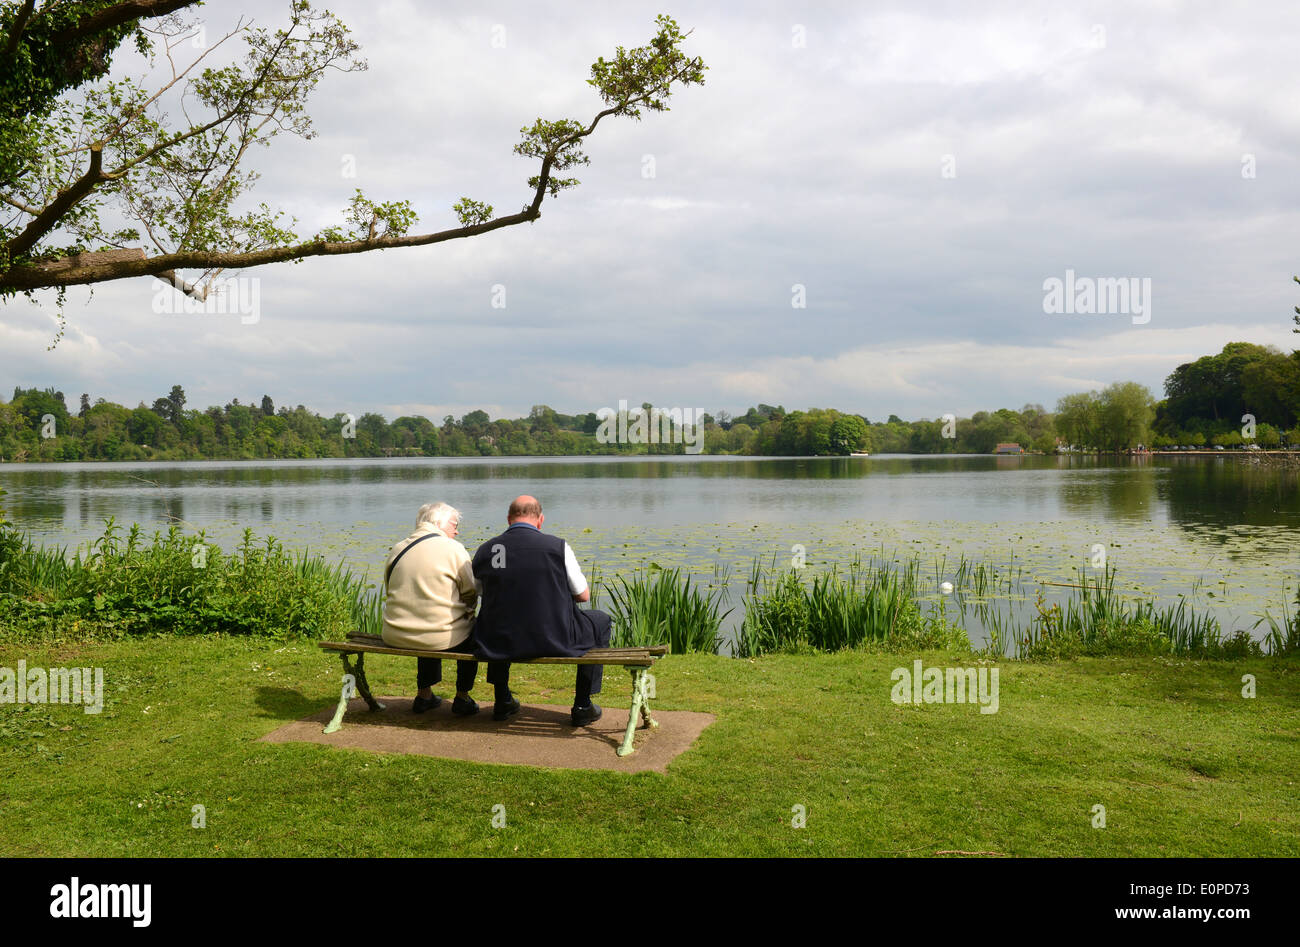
428, 671
589, 676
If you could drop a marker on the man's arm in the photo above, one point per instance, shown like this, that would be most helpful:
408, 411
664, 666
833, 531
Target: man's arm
577, 581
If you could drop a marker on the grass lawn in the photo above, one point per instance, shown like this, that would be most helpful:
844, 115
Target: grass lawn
1183, 764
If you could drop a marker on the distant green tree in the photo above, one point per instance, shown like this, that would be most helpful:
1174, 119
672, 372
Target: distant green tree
172, 406
1126, 410
1078, 419
34, 405
1268, 437
145, 427
475, 423
848, 434
372, 434
927, 438
542, 419
1213, 386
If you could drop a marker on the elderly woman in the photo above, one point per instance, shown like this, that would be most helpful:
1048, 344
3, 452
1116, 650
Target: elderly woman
430, 603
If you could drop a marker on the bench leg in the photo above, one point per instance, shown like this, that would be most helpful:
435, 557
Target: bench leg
640, 710
646, 719
358, 674
363, 686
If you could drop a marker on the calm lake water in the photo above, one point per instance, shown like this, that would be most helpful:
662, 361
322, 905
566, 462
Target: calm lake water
1218, 530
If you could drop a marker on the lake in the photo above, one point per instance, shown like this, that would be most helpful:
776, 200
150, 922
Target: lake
1219, 530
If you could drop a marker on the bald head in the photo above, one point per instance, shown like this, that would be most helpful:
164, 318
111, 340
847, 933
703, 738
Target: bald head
525, 509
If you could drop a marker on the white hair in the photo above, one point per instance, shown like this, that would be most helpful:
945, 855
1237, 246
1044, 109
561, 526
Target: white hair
437, 515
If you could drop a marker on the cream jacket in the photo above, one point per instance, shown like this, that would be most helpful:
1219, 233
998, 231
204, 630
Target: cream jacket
431, 594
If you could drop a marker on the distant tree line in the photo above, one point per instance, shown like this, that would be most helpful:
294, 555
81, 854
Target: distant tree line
1246, 394
37, 425
1216, 400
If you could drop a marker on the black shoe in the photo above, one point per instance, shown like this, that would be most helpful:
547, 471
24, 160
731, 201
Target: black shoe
501, 711
464, 707
420, 705
585, 715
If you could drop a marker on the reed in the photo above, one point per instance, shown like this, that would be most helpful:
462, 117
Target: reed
664, 606
1283, 635
1095, 619
868, 604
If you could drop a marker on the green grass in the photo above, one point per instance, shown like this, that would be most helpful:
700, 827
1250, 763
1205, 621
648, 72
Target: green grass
1182, 762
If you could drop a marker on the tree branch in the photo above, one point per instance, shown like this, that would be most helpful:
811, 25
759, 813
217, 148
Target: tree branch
31, 211
43, 224
115, 16
47, 219
20, 24
74, 272
98, 267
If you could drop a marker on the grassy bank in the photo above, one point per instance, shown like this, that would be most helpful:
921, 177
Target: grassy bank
1183, 764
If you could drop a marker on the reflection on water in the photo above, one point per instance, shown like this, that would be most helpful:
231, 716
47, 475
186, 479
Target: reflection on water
1195, 493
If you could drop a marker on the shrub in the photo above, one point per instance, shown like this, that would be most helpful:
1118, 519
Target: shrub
176, 584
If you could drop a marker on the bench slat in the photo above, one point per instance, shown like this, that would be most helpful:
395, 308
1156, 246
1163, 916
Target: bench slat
621, 656
654, 649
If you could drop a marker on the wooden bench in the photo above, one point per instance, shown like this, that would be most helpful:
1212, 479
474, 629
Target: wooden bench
638, 661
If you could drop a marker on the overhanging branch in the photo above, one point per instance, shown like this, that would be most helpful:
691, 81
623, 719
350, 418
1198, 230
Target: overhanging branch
95, 268
103, 266
116, 15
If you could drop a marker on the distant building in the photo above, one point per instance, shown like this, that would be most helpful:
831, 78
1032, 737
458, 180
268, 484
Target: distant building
1008, 449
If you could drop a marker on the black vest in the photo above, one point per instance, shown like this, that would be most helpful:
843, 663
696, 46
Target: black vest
527, 609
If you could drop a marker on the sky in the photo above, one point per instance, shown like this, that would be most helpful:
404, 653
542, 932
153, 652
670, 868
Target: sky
912, 173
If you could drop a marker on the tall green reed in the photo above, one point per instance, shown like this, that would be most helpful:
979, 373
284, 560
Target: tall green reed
664, 606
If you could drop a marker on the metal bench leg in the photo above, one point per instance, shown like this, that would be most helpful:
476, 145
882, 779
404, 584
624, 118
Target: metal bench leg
640, 709
363, 686
336, 722
649, 721
358, 675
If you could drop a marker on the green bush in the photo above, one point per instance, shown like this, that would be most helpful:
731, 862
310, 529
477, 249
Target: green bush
176, 584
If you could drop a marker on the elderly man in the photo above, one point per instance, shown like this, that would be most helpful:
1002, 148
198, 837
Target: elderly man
531, 585
430, 603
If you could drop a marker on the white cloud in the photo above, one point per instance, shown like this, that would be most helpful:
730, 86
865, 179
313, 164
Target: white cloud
819, 165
